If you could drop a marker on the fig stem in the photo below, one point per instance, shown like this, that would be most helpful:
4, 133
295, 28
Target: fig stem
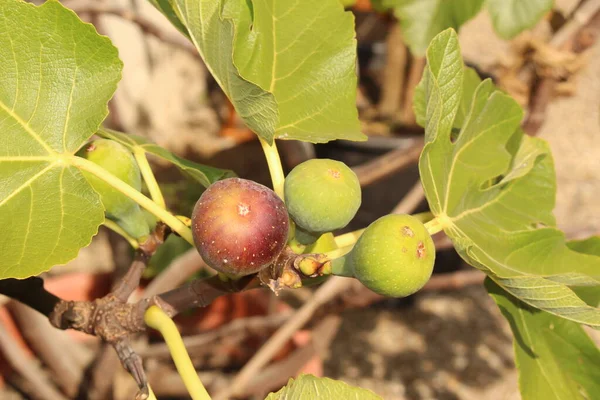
275, 168
348, 239
337, 253
159, 320
151, 395
424, 216
433, 226
172, 221
113, 226
149, 178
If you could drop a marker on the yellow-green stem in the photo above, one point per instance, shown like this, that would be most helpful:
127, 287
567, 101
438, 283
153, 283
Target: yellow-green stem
149, 178
424, 216
172, 221
159, 320
113, 226
433, 226
348, 239
275, 167
151, 395
337, 253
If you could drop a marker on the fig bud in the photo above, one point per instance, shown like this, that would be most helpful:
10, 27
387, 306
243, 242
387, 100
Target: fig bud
239, 226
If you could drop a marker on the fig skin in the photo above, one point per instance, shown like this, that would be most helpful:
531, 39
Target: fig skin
322, 195
239, 226
394, 257
118, 160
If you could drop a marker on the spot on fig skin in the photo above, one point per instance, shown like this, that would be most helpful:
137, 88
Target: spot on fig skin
406, 231
404, 249
421, 252
334, 173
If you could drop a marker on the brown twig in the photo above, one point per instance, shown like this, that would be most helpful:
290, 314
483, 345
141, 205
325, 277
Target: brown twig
414, 77
179, 271
359, 296
276, 375
389, 163
200, 293
51, 346
411, 200
327, 292
393, 73
37, 385
30, 291
145, 25
247, 325
577, 35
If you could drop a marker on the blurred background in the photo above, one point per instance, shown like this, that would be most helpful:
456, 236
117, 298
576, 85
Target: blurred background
447, 342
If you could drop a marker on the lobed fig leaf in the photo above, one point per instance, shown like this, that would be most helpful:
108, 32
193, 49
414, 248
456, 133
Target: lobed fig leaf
394, 256
118, 160
239, 226
322, 195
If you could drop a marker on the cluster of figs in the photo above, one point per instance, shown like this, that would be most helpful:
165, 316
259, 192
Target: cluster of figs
240, 227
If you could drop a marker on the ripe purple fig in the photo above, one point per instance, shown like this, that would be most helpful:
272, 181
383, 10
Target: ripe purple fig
239, 226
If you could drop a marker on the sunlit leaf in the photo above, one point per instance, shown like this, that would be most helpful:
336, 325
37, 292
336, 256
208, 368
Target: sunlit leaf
510, 17
289, 68
203, 174
421, 20
493, 190
310, 387
555, 357
56, 77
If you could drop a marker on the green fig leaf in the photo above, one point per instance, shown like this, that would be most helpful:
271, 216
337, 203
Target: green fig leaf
166, 8
203, 174
492, 189
555, 357
471, 81
511, 17
421, 20
311, 387
263, 55
56, 77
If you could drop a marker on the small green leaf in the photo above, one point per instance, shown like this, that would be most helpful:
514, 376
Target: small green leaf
492, 189
56, 77
555, 357
422, 20
203, 174
470, 82
511, 17
310, 387
305, 54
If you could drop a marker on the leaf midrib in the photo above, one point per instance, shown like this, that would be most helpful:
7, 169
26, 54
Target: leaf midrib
27, 128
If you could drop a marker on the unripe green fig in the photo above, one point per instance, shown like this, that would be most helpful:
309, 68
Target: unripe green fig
394, 256
118, 160
321, 195
239, 226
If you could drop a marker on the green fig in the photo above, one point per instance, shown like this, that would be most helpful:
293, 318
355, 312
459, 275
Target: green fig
394, 256
321, 196
118, 160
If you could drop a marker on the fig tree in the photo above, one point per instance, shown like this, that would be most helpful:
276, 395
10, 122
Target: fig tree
321, 195
394, 256
118, 160
239, 226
